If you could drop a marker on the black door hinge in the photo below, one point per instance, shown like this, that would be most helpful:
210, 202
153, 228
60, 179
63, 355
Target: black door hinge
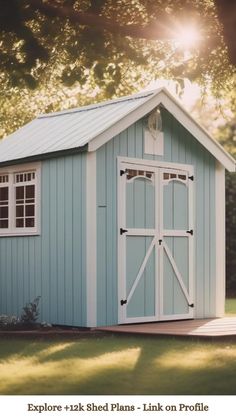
190, 232
122, 302
122, 231
191, 305
122, 172
191, 177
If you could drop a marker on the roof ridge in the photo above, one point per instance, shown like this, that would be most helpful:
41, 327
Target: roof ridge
98, 105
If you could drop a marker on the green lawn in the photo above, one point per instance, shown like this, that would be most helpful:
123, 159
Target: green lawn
230, 306
118, 365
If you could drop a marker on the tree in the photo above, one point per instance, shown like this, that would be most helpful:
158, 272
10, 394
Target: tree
227, 137
227, 15
101, 39
63, 53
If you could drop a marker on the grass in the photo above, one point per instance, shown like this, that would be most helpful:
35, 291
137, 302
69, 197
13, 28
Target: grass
230, 306
117, 365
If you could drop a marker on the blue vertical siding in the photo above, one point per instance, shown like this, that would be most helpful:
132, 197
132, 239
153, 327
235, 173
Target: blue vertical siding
53, 264
179, 147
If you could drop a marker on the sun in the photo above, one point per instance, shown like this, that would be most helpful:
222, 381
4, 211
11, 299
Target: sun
188, 36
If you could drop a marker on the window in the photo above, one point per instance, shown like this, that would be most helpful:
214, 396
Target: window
132, 173
4, 201
19, 201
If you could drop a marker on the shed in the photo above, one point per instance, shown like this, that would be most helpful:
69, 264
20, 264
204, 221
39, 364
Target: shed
114, 213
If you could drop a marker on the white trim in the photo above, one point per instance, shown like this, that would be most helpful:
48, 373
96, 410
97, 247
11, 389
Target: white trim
91, 239
147, 319
170, 317
162, 96
175, 233
220, 240
189, 171
121, 243
158, 234
154, 163
13, 231
160, 257
204, 138
191, 272
140, 231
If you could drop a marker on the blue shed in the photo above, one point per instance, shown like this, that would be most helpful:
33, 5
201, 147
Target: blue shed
114, 213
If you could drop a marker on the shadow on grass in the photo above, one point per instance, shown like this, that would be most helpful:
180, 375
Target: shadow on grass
117, 365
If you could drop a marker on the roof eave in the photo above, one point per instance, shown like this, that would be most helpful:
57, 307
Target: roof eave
179, 112
45, 156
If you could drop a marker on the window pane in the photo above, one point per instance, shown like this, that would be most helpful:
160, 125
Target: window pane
20, 192
29, 222
3, 223
3, 212
4, 194
29, 191
19, 222
20, 211
29, 210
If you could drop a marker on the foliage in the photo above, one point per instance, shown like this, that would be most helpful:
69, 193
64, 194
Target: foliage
30, 312
231, 234
8, 322
227, 137
100, 40
56, 55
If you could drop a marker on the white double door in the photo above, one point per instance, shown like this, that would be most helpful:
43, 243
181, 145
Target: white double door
155, 242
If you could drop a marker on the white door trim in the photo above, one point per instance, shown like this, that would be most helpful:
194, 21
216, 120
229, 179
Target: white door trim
158, 233
155, 163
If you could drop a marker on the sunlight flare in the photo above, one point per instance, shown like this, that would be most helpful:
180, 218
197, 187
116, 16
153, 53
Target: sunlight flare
188, 36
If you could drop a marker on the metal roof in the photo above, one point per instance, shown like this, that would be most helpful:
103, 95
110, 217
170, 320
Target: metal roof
72, 130
67, 129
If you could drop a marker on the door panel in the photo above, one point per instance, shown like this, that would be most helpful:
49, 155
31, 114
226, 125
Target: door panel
155, 243
174, 298
140, 294
140, 203
175, 206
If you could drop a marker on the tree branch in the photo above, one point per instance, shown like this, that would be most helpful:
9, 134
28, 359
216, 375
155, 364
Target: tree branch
153, 31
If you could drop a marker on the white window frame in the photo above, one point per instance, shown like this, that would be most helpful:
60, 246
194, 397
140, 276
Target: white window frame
11, 171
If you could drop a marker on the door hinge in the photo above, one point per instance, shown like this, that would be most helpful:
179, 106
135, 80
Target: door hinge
122, 302
122, 172
190, 232
122, 231
191, 305
191, 177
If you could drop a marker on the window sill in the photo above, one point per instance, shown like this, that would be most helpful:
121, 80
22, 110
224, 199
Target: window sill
19, 233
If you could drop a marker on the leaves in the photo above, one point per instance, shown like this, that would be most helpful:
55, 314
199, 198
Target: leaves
83, 33
30, 312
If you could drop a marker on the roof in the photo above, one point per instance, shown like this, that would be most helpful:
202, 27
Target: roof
93, 125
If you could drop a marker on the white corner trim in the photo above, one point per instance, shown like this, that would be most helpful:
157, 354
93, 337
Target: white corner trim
220, 240
91, 239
